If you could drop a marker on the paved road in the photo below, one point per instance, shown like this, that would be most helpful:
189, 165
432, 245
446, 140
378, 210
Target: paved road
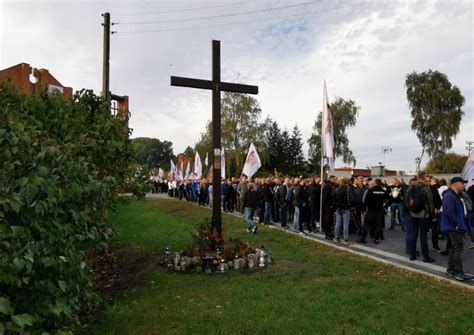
392, 250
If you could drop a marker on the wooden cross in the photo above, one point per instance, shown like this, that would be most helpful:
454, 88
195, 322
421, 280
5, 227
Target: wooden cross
216, 86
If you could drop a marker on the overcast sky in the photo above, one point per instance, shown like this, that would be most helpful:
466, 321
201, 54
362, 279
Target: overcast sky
363, 48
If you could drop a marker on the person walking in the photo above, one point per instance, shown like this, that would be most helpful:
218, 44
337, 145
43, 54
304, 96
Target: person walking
251, 202
343, 199
421, 206
454, 224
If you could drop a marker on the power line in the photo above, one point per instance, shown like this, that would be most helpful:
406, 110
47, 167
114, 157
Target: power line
243, 22
184, 10
222, 15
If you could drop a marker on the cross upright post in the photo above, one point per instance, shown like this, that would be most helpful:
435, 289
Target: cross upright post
216, 86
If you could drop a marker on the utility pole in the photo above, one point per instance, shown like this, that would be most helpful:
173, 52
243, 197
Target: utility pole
469, 147
105, 61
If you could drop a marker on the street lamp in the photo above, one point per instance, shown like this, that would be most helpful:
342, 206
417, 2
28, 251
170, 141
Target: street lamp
385, 150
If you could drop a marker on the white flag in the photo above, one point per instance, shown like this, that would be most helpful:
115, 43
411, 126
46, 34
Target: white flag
206, 161
188, 170
197, 166
173, 171
327, 131
252, 162
161, 173
180, 171
222, 164
468, 171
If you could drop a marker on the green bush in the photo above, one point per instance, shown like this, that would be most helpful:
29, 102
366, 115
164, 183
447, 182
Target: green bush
62, 166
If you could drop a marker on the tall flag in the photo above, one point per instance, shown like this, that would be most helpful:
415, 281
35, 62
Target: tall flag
252, 162
327, 131
173, 170
197, 166
180, 170
222, 163
468, 171
161, 173
206, 161
188, 170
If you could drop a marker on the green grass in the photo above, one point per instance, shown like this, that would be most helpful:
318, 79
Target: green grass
312, 289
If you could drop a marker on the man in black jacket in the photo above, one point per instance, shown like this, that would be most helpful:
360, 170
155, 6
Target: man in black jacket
283, 203
267, 197
374, 210
314, 200
328, 207
251, 203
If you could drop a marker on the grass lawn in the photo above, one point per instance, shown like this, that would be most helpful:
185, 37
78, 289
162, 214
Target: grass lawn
311, 289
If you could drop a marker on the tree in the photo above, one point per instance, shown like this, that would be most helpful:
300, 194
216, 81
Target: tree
447, 163
344, 115
152, 152
240, 127
436, 111
295, 153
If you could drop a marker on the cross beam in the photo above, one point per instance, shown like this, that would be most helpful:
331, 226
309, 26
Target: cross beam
216, 86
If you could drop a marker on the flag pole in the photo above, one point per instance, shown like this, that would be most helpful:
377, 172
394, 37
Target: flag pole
322, 166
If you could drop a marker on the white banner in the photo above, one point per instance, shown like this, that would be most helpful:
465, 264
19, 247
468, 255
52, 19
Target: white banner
188, 170
468, 171
252, 162
197, 166
161, 173
173, 171
327, 131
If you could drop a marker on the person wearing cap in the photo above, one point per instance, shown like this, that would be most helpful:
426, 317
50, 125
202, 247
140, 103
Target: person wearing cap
454, 224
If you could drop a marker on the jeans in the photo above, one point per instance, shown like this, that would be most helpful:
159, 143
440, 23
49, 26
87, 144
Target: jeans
342, 217
422, 226
297, 220
456, 250
396, 211
249, 211
268, 211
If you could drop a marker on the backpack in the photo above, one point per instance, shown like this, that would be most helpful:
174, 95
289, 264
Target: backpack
416, 199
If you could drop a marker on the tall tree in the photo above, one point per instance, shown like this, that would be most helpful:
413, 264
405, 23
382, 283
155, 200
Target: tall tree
152, 152
435, 107
295, 153
447, 163
240, 127
344, 115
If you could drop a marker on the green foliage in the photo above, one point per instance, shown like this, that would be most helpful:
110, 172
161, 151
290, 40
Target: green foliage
240, 127
447, 163
62, 166
152, 152
436, 110
344, 115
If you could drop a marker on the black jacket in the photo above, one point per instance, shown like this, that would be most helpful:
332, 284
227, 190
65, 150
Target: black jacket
251, 199
328, 195
375, 199
343, 197
314, 194
267, 194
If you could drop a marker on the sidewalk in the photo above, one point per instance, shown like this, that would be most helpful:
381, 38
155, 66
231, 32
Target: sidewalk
391, 251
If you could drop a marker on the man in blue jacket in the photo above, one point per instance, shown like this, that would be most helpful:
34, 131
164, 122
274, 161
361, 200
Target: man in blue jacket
454, 224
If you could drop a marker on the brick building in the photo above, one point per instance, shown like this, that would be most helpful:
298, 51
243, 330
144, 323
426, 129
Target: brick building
31, 80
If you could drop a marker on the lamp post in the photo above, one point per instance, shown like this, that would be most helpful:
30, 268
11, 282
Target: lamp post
385, 150
469, 147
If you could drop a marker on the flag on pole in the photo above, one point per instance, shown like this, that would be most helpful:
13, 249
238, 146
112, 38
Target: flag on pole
222, 164
197, 166
327, 131
468, 171
188, 170
252, 162
173, 171
206, 161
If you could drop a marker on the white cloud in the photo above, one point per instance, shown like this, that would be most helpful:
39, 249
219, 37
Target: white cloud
364, 53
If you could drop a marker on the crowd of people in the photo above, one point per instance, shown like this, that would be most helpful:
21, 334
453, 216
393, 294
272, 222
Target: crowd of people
424, 206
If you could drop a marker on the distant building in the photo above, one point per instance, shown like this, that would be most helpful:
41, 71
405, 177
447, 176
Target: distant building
374, 171
31, 80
